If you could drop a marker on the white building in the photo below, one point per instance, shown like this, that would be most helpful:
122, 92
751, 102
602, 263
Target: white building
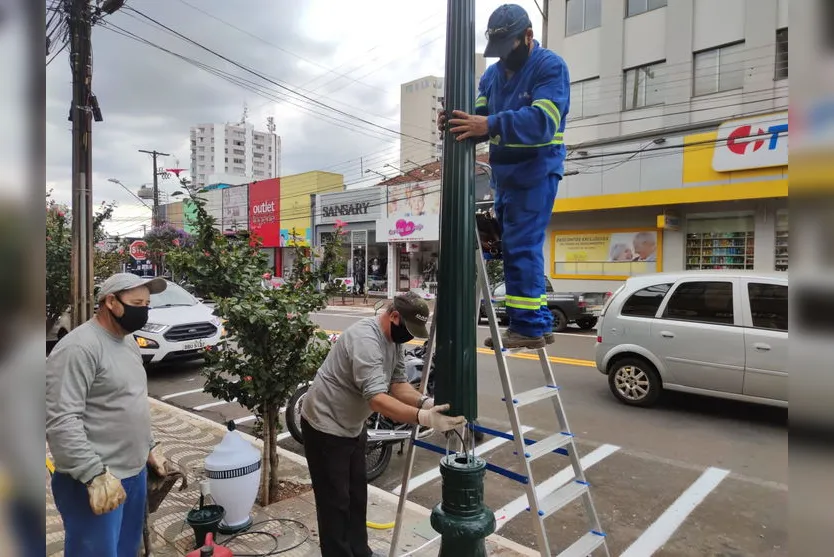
677, 128
233, 153
420, 101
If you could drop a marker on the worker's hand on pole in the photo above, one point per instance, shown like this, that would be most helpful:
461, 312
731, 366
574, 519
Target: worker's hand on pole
435, 419
466, 126
106, 493
441, 121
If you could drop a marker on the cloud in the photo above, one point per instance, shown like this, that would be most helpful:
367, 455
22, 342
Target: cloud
352, 56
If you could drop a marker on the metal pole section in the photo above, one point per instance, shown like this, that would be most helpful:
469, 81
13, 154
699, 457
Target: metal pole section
456, 383
81, 274
545, 15
155, 216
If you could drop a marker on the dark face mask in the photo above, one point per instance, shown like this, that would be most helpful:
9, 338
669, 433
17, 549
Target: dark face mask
399, 333
517, 57
133, 318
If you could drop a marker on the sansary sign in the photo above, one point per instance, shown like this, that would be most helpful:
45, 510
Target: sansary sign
345, 209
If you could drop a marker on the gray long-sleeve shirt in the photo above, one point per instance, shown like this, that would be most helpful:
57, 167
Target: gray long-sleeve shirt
97, 411
362, 364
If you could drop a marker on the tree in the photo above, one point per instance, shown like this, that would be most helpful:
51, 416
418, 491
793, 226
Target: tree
161, 239
273, 344
495, 272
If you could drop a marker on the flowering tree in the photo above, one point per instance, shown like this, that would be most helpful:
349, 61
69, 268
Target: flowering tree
163, 238
272, 343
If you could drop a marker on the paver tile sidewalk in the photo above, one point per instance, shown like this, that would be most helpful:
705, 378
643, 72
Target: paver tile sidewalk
188, 439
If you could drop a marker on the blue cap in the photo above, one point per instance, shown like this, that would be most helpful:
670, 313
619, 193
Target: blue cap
505, 25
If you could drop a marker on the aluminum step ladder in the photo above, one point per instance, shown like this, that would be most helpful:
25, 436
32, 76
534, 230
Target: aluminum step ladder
561, 442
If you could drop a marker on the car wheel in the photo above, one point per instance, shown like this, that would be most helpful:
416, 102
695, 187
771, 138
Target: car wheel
586, 323
560, 320
292, 414
634, 381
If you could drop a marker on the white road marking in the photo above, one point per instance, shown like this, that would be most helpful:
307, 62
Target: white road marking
212, 404
244, 420
667, 523
434, 473
183, 393
282, 436
520, 504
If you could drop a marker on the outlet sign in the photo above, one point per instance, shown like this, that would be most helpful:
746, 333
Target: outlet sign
760, 142
264, 212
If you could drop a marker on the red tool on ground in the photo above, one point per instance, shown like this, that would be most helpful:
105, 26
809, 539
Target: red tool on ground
209, 548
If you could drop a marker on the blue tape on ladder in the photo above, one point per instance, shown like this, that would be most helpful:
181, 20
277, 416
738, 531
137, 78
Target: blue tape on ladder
600, 534
491, 467
510, 437
429, 446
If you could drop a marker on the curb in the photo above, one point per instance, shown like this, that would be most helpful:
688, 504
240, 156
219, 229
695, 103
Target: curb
372, 490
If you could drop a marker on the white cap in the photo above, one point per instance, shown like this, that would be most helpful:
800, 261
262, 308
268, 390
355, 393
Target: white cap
128, 281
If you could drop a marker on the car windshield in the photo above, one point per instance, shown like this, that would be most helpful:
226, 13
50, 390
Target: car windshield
173, 296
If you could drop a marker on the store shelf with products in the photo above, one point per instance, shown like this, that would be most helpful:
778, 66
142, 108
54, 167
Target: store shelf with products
719, 250
781, 245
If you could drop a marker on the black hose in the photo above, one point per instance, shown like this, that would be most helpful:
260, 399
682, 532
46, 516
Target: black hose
274, 550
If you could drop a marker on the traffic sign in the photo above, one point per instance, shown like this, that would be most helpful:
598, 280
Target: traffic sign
139, 250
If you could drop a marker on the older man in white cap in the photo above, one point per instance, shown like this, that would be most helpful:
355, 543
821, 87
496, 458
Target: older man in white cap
98, 423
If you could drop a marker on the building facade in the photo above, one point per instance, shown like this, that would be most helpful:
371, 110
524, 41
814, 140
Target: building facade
677, 138
233, 153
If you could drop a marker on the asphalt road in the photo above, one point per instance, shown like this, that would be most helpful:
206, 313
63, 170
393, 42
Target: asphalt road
692, 477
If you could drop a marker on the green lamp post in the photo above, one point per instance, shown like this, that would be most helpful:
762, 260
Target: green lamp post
461, 518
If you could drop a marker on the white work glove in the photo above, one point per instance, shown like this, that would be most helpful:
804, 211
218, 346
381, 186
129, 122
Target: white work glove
434, 419
157, 461
427, 404
106, 493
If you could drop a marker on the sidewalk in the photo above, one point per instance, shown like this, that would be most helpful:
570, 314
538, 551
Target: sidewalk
187, 439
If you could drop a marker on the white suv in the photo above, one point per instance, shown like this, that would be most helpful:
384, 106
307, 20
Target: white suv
722, 334
179, 327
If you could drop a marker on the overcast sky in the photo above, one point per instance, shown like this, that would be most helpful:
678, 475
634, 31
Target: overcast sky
352, 56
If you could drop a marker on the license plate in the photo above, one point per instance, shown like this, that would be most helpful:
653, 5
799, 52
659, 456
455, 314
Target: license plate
596, 310
195, 345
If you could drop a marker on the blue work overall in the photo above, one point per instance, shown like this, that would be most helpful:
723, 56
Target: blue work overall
526, 118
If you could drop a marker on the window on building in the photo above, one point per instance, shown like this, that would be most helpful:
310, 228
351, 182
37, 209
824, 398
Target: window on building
781, 246
237, 161
584, 98
583, 15
643, 86
781, 69
702, 301
719, 69
646, 302
201, 158
637, 7
768, 306
720, 243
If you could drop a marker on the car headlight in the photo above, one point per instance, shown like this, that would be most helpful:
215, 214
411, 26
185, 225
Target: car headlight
216, 321
154, 328
145, 342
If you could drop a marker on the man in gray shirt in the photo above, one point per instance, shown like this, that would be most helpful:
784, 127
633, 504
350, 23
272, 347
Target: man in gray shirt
363, 373
98, 423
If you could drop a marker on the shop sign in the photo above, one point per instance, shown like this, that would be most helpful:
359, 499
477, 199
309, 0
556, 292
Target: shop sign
345, 209
669, 221
360, 205
264, 215
413, 212
759, 142
235, 208
605, 254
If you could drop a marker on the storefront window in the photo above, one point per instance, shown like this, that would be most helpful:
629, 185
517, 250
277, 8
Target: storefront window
720, 243
782, 240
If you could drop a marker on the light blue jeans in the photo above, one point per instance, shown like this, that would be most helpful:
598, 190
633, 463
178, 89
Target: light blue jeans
114, 534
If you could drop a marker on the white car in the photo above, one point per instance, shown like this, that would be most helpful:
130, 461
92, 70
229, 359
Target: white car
715, 333
179, 327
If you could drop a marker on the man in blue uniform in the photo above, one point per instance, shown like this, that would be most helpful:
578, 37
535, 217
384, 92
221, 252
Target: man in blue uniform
522, 104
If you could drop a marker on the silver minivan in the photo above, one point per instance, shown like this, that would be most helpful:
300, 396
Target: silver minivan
715, 333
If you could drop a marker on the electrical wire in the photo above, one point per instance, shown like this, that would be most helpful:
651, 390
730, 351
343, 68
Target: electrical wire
274, 550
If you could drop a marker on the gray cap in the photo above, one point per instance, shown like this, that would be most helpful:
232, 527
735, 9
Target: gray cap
128, 281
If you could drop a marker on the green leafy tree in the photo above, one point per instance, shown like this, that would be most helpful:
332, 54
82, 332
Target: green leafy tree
495, 272
273, 345
58, 260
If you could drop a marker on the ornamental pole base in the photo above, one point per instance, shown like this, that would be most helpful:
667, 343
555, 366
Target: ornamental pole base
461, 518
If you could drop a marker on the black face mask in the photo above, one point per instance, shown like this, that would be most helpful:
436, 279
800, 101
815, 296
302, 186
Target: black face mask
517, 57
399, 333
133, 318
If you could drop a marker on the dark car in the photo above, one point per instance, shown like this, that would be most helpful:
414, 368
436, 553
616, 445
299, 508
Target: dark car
582, 308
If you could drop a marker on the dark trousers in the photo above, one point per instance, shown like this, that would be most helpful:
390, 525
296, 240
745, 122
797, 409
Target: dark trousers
340, 486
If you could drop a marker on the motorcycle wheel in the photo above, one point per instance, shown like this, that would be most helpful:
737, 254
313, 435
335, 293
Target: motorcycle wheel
377, 458
292, 414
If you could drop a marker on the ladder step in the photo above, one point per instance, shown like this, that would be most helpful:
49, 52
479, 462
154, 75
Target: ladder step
547, 445
585, 545
535, 395
562, 497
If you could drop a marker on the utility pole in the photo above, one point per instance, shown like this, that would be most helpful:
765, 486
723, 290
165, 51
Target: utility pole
461, 518
155, 217
545, 14
81, 274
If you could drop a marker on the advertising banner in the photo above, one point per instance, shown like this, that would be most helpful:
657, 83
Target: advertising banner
189, 216
264, 211
758, 142
412, 212
606, 254
235, 208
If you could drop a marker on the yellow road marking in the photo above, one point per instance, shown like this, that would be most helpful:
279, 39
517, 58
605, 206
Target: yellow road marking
521, 355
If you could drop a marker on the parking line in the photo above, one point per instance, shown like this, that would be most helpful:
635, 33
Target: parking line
212, 404
183, 393
667, 523
244, 420
520, 504
434, 473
